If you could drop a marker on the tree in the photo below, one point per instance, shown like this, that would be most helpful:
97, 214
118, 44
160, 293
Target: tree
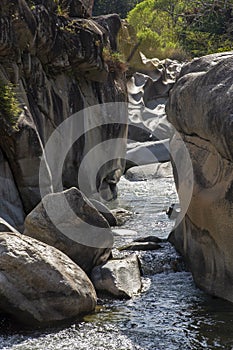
167, 27
122, 7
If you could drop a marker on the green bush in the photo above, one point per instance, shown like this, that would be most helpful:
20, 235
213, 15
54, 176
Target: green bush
186, 28
9, 105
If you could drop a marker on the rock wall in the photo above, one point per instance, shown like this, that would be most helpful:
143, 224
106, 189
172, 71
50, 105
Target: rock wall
201, 109
51, 62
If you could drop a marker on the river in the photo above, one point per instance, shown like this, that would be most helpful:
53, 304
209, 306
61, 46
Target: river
170, 313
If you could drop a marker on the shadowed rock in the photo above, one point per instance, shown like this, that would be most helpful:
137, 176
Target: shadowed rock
200, 107
53, 65
69, 222
40, 284
135, 246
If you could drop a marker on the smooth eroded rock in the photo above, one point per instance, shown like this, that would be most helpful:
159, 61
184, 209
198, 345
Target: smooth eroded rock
147, 153
149, 172
107, 214
69, 222
200, 107
40, 284
120, 277
53, 66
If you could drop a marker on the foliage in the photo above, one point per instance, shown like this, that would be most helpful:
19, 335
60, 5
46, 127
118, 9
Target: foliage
9, 105
196, 26
122, 7
114, 60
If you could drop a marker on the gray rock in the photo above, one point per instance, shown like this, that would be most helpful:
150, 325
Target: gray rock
70, 223
148, 94
121, 215
39, 284
54, 77
120, 277
107, 214
148, 153
11, 208
135, 246
200, 107
5, 225
149, 172
149, 239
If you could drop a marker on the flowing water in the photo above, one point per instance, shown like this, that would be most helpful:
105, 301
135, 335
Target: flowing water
170, 314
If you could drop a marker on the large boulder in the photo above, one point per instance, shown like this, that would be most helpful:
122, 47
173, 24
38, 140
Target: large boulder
118, 277
149, 172
69, 222
142, 153
200, 107
39, 284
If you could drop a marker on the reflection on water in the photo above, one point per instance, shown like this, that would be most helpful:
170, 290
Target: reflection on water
170, 314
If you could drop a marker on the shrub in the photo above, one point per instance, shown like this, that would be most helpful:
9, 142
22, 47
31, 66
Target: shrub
9, 105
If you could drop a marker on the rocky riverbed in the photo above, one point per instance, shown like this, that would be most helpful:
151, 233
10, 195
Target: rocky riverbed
170, 313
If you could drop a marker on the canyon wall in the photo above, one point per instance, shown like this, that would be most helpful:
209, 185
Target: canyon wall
201, 109
51, 67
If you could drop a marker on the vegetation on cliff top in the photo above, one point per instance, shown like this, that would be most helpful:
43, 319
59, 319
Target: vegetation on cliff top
195, 26
176, 28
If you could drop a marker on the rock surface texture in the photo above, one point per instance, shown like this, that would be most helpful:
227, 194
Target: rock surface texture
69, 222
40, 284
52, 66
201, 109
118, 277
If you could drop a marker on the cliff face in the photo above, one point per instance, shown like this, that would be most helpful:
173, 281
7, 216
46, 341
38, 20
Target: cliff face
201, 109
52, 66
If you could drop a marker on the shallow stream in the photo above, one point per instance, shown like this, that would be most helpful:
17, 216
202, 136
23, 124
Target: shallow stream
170, 314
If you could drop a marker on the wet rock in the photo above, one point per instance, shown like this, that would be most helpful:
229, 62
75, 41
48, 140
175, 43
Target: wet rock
200, 107
69, 222
123, 232
107, 213
149, 172
149, 239
121, 215
120, 277
173, 211
135, 246
40, 284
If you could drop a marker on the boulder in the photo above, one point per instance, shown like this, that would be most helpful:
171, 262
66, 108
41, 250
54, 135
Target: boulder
119, 277
136, 246
149, 239
149, 172
40, 284
107, 214
121, 215
200, 107
147, 153
69, 222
